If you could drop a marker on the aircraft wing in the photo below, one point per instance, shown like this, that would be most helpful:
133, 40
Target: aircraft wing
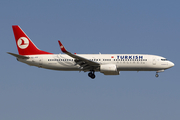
83, 62
18, 56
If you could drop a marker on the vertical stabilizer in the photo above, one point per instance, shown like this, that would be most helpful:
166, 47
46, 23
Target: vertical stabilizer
24, 45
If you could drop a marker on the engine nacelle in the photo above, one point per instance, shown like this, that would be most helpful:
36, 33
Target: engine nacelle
109, 69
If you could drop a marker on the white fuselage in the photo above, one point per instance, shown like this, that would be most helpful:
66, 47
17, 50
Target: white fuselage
108, 64
123, 62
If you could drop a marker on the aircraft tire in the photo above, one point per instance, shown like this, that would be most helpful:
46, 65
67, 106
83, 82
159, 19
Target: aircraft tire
157, 75
91, 75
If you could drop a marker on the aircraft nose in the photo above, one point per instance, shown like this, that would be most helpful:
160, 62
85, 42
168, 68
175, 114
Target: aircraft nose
171, 64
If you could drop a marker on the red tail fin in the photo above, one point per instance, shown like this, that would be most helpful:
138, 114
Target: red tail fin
24, 44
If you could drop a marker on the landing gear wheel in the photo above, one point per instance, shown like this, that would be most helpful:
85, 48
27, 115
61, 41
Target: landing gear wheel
157, 75
91, 74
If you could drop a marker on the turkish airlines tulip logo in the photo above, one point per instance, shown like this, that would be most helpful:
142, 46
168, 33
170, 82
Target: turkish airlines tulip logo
23, 42
62, 46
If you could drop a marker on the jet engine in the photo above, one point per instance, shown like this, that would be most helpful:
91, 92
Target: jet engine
109, 69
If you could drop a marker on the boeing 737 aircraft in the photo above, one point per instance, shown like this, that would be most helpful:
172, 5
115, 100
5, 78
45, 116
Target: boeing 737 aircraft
108, 64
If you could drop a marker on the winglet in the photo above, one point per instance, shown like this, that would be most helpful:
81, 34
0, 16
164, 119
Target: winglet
62, 47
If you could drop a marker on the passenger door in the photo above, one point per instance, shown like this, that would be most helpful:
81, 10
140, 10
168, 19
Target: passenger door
154, 61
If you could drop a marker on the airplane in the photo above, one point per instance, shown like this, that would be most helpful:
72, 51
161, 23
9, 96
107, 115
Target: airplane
108, 64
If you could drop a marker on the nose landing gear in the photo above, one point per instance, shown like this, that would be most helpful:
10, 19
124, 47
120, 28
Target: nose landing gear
157, 75
91, 74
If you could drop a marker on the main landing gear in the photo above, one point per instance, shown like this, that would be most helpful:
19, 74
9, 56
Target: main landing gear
91, 74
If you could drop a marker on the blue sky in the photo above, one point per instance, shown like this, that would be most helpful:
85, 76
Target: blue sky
106, 26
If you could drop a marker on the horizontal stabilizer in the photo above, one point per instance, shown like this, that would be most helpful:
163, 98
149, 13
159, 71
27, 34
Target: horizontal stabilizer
18, 56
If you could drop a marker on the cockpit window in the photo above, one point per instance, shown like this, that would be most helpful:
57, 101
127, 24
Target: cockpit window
163, 59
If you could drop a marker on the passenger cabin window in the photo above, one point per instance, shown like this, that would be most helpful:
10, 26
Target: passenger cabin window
106, 59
